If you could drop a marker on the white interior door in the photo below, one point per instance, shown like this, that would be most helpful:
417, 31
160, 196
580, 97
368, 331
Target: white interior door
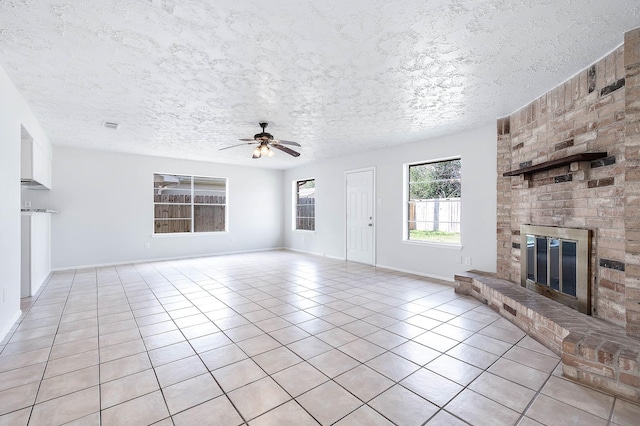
360, 217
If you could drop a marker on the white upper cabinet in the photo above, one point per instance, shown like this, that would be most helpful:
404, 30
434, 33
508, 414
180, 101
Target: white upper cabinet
35, 164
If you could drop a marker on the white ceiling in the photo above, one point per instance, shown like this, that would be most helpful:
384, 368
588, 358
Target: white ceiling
185, 78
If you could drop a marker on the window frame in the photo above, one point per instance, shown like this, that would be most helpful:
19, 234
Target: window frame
294, 215
406, 199
192, 204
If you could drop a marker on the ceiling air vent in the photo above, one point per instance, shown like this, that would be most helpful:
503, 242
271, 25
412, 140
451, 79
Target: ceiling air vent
110, 125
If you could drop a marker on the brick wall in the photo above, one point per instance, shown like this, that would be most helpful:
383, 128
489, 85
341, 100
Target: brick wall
596, 110
632, 182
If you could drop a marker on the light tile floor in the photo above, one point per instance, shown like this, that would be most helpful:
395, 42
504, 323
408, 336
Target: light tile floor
278, 338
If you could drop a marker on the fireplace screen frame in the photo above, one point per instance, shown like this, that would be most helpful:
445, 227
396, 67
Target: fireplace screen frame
582, 237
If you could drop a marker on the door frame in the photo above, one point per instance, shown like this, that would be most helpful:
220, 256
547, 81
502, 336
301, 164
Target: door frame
374, 200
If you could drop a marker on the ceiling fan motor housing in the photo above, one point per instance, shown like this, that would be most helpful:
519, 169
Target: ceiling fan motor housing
263, 136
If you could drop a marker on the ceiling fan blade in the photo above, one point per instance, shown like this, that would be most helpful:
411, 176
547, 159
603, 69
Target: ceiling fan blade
239, 144
255, 156
253, 140
285, 149
286, 142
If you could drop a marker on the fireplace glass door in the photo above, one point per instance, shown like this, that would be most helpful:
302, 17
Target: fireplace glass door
555, 263
552, 262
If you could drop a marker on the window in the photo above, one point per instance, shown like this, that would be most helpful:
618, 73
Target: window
189, 204
433, 207
305, 205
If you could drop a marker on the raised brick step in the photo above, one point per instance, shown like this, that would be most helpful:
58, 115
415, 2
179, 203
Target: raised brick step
593, 352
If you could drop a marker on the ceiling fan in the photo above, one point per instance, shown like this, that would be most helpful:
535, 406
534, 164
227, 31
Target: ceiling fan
265, 142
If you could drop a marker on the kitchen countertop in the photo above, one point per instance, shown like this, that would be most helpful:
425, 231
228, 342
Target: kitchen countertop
27, 211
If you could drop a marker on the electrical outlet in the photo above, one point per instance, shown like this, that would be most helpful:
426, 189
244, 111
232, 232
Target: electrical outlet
27, 204
147, 245
467, 261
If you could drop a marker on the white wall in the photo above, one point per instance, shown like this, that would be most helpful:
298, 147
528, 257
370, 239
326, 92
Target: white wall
477, 149
14, 112
106, 209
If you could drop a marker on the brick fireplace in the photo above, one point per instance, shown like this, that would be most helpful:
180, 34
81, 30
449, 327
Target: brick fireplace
571, 160
598, 110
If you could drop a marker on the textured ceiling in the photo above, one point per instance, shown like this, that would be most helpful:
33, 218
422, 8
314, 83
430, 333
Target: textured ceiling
185, 77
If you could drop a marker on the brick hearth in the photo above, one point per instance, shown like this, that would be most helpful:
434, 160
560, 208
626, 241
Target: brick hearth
593, 351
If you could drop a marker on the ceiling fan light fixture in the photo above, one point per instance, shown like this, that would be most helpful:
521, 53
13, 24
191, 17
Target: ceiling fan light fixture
266, 143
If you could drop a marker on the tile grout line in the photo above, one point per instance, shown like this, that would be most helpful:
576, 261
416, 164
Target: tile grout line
266, 373
535, 397
124, 292
99, 347
153, 367
199, 357
39, 294
613, 407
362, 363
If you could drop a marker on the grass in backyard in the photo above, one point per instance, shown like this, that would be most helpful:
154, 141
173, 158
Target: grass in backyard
435, 236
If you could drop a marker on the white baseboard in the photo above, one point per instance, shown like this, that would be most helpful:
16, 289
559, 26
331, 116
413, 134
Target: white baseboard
7, 327
314, 253
422, 274
392, 268
161, 259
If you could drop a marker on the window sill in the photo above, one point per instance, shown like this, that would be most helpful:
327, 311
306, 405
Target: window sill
303, 231
188, 234
445, 246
